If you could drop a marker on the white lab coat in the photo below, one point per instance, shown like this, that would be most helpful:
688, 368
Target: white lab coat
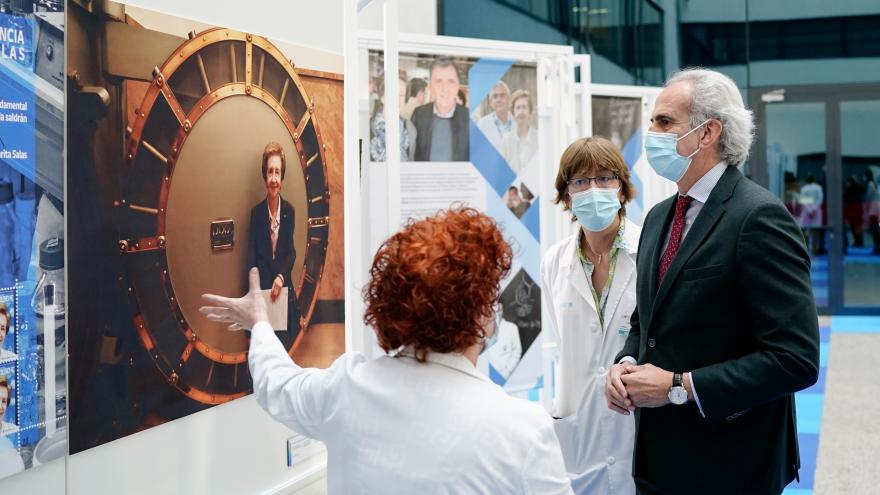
394, 425
596, 442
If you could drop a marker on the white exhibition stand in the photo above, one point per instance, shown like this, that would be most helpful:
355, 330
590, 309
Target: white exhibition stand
235, 448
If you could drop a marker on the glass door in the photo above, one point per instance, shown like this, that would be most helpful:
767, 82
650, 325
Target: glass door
817, 150
860, 165
797, 173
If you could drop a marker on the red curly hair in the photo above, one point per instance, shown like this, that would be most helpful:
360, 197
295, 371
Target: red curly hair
432, 284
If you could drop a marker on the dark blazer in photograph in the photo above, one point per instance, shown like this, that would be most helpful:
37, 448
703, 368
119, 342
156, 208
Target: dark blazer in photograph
736, 310
260, 245
423, 119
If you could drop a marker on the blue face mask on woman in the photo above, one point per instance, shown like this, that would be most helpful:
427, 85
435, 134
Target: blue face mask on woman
490, 341
662, 152
595, 208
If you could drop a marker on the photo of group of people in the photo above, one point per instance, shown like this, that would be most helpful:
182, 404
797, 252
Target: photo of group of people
438, 117
434, 118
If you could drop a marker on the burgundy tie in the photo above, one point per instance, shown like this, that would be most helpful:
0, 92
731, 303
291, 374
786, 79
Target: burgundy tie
681, 207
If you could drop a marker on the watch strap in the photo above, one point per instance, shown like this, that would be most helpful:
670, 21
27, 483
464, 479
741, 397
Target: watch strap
676, 379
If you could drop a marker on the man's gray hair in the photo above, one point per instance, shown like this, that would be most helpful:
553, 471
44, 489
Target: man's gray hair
715, 96
502, 84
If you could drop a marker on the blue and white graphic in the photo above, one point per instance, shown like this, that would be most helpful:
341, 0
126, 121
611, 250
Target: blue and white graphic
31, 211
510, 174
17, 106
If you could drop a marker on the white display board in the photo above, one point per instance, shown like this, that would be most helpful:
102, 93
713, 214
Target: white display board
485, 174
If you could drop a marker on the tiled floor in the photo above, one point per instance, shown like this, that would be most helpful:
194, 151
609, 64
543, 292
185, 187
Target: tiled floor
838, 430
837, 426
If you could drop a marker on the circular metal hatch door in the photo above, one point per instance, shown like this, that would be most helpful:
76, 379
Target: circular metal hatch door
193, 158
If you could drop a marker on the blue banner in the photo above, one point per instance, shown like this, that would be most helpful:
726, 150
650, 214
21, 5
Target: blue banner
17, 105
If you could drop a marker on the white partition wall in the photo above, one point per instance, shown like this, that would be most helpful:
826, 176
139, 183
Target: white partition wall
393, 190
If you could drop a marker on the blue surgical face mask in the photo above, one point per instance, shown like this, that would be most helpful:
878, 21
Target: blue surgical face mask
490, 341
662, 153
595, 208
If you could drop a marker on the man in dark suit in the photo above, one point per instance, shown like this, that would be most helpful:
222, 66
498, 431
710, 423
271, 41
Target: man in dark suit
270, 244
442, 126
725, 329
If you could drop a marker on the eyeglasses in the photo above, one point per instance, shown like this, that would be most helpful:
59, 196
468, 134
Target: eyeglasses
579, 184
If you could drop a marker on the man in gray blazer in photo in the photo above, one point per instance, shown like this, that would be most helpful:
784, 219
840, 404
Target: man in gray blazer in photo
725, 330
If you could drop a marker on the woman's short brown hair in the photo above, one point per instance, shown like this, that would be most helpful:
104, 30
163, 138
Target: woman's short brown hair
433, 283
586, 156
273, 149
521, 93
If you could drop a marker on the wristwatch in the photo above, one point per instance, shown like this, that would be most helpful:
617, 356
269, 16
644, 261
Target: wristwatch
677, 394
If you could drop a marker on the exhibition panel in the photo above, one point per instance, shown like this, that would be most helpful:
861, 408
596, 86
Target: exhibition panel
168, 144
33, 391
487, 151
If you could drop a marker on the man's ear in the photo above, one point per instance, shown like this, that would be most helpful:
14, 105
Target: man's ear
713, 132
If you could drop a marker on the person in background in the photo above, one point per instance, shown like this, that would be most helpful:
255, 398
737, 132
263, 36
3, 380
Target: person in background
810, 199
725, 329
499, 122
872, 210
589, 282
853, 211
443, 125
416, 94
420, 419
519, 146
377, 126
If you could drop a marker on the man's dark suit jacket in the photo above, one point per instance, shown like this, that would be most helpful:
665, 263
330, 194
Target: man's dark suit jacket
260, 245
736, 310
423, 119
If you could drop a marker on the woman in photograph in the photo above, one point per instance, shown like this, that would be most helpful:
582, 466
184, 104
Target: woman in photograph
270, 244
422, 418
10, 460
589, 282
519, 146
377, 126
5, 354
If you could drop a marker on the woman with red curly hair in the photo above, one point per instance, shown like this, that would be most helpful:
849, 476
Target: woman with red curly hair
420, 419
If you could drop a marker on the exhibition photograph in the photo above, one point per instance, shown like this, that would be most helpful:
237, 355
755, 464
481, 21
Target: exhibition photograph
587, 247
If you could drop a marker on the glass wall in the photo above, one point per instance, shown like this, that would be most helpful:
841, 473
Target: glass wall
625, 37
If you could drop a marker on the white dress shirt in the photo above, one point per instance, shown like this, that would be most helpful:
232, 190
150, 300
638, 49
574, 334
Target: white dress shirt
519, 151
394, 425
700, 192
494, 129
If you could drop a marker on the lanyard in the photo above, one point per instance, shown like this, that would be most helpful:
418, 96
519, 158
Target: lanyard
602, 303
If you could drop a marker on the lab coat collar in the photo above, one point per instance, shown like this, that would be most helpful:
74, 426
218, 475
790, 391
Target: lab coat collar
573, 270
630, 238
452, 360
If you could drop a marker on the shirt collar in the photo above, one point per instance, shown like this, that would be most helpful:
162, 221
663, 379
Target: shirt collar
451, 360
277, 216
444, 116
504, 125
703, 187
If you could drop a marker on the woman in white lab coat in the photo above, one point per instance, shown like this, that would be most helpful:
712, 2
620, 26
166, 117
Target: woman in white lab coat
589, 282
420, 419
